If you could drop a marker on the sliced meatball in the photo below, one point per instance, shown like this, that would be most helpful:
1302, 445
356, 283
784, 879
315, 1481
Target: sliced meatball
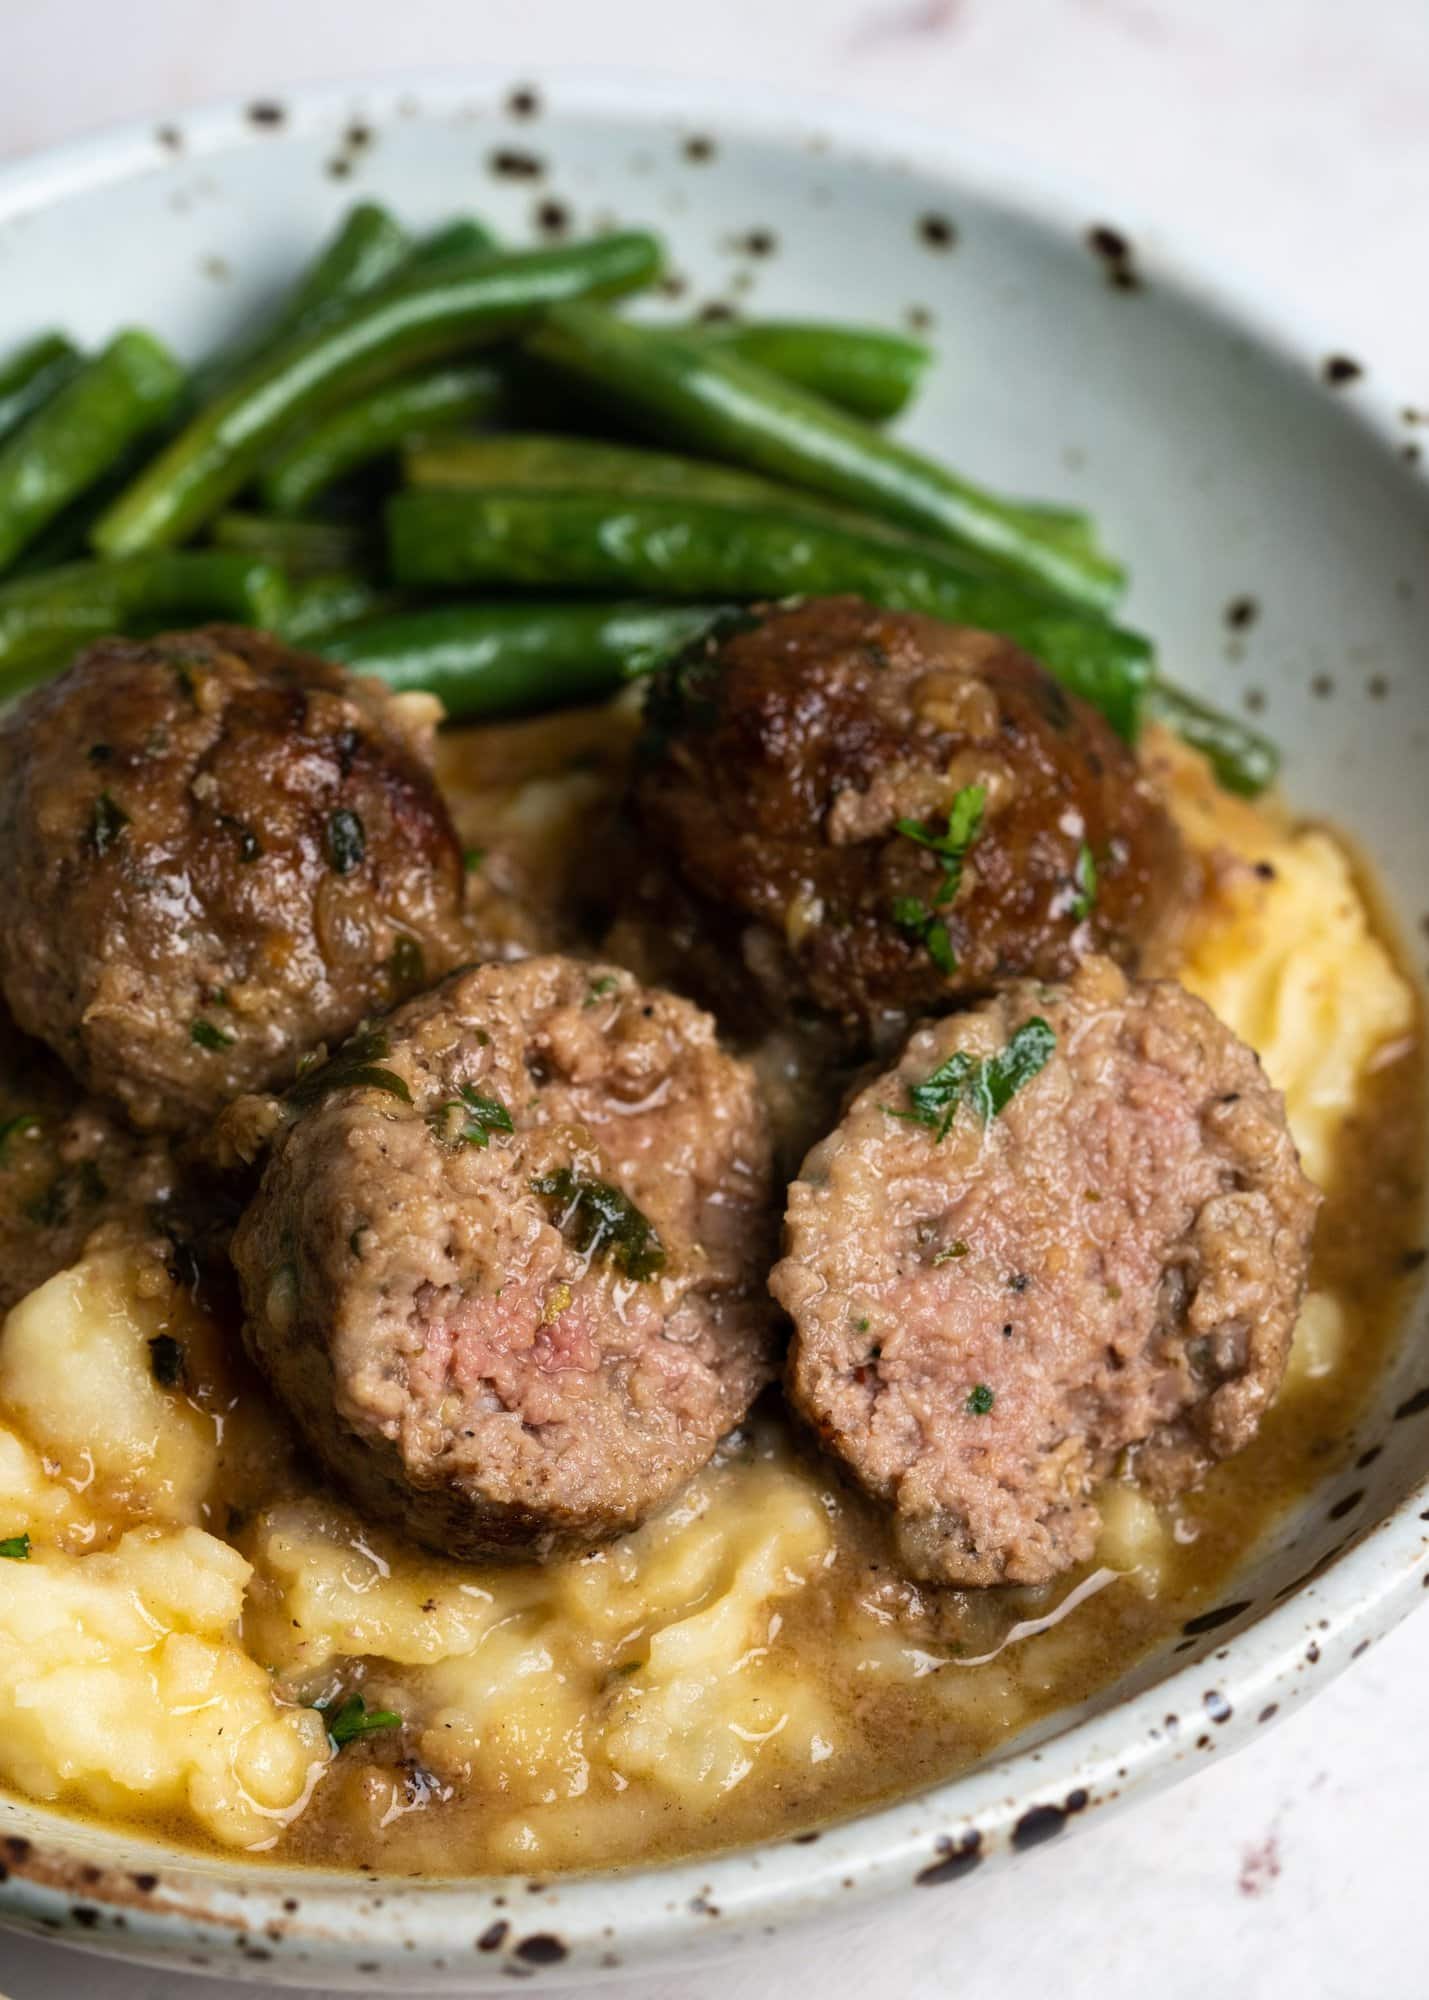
1067, 1223
897, 813
507, 1269
219, 853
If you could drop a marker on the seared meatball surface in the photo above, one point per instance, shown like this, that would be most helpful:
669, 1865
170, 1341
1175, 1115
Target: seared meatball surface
219, 853
897, 813
509, 1275
1069, 1222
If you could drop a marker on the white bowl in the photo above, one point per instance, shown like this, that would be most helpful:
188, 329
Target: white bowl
1220, 452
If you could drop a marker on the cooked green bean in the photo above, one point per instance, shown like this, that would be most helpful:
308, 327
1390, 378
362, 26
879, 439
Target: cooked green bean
316, 606
79, 434
515, 659
709, 400
40, 614
554, 464
689, 548
421, 318
30, 376
464, 236
867, 371
303, 548
376, 425
1243, 760
369, 247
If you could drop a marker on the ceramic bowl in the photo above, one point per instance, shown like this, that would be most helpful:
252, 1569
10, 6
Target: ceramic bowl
1267, 492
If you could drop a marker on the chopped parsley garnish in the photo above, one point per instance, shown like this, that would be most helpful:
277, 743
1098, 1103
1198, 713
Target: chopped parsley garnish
24, 1125
472, 858
346, 841
964, 826
602, 1222
15, 1548
1085, 877
598, 988
106, 822
166, 1361
920, 920
71, 1190
955, 1249
207, 1036
988, 1085
356, 1066
980, 1400
469, 1119
407, 963
351, 1719
930, 931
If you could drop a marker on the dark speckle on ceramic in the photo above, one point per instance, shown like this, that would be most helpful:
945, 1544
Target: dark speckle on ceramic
494, 1936
541, 1948
918, 319
1346, 1505
699, 149
956, 1858
1241, 613
1118, 259
523, 102
1037, 1824
1216, 1705
510, 165
939, 232
1207, 1621
267, 114
1339, 370
170, 137
1322, 686
1413, 1406
553, 218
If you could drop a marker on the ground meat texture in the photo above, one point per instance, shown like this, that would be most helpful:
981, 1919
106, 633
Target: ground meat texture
785, 760
509, 1276
984, 1320
219, 853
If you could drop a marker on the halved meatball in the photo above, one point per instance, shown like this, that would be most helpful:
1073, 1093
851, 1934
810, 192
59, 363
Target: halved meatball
1069, 1222
507, 1270
219, 852
897, 813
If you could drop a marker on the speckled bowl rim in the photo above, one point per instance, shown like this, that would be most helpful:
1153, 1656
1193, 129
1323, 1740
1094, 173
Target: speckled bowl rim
294, 1926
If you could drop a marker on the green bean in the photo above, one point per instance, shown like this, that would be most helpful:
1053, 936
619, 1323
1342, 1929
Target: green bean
464, 236
421, 318
30, 376
80, 433
555, 464
516, 659
688, 548
1243, 760
316, 606
532, 461
40, 614
303, 548
375, 425
711, 401
369, 247
867, 371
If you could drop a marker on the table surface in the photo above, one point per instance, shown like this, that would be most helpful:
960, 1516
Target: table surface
1293, 136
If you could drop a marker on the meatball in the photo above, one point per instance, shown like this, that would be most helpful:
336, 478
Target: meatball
507, 1270
896, 812
1069, 1222
220, 853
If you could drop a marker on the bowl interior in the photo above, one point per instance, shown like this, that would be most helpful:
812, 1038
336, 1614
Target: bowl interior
1219, 458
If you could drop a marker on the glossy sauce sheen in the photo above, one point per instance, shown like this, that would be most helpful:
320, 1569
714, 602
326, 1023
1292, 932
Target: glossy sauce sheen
917, 1684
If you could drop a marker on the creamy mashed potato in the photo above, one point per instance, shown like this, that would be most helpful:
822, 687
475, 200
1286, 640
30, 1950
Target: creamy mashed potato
188, 1599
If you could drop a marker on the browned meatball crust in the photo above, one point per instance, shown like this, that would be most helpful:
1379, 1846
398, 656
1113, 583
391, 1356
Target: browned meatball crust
219, 853
509, 1278
988, 1309
790, 767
